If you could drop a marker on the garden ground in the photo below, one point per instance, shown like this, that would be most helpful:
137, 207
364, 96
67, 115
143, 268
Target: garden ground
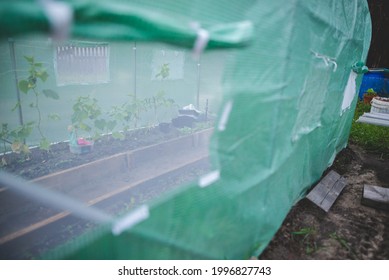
349, 230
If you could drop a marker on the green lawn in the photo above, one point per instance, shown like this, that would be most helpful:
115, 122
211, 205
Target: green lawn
370, 137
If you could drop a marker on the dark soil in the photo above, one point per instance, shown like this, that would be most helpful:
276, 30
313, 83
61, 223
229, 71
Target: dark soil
39, 162
349, 230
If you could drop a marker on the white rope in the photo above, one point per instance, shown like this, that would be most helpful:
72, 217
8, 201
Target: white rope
54, 199
327, 60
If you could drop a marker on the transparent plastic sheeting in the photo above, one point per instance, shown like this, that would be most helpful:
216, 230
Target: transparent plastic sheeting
288, 100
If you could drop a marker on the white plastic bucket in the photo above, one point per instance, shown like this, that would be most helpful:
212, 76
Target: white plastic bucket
380, 105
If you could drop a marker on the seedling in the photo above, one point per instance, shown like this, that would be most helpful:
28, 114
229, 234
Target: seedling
87, 117
307, 240
30, 84
164, 72
15, 138
371, 92
344, 244
159, 102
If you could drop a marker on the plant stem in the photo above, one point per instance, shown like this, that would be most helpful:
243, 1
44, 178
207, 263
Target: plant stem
155, 109
39, 113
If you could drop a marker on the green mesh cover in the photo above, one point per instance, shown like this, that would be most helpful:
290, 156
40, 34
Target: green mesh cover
289, 94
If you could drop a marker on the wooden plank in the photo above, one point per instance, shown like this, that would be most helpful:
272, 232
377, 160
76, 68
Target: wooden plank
327, 190
333, 194
323, 187
376, 197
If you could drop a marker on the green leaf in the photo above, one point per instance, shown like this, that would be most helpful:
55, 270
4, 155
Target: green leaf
4, 131
4, 126
100, 124
16, 147
23, 86
303, 231
25, 149
118, 135
111, 125
42, 75
54, 117
24, 131
44, 144
97, 136
51, 94
30, 59
84, 127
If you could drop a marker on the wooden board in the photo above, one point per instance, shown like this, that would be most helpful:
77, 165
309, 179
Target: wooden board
377, 197
327, 190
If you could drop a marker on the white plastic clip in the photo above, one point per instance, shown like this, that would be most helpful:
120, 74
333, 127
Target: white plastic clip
130, 220
201, 40
225, 115
60, 16
209, 178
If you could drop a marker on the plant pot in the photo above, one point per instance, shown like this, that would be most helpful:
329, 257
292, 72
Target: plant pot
368, 98
164, 127
81, 149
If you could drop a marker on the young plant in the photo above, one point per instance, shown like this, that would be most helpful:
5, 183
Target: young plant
307, 238
344, 244
136, 107
122, 115
30, 84
104, 126
86, 111
164, 72
88, 117
371, 92
159, 102
15, 138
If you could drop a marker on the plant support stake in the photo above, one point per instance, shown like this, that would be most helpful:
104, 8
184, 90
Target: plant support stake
19, 105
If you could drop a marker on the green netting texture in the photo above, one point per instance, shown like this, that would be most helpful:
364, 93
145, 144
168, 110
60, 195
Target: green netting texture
288, 97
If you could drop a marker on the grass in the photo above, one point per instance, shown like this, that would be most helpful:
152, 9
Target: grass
344, 244
307, 239
372, 138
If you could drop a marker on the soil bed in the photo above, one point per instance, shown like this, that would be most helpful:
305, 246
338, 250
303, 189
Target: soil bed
40, 162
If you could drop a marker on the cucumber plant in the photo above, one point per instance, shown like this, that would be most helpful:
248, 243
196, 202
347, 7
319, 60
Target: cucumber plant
37, 74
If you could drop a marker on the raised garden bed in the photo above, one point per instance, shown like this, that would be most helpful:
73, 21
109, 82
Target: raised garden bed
96, 180
40, 162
